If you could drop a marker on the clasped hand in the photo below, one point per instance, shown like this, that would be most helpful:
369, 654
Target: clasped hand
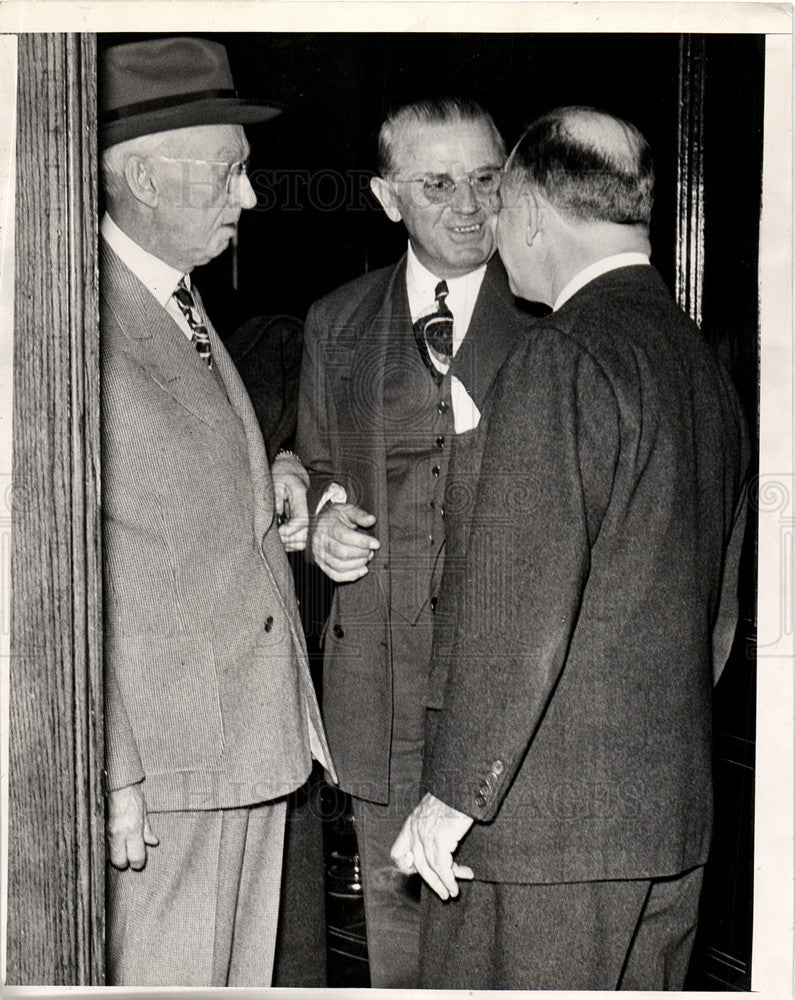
427, 842
289, 493
339, 545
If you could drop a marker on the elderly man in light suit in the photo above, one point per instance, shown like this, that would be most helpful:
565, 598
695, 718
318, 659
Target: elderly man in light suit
211, 718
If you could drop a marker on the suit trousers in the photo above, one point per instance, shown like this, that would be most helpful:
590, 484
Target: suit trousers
204, 909
391, 899
629, 935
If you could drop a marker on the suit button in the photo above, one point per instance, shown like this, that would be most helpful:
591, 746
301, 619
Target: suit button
434, 602
339, 631
269, 623
480, 801
435, 470
440, 442
498, 767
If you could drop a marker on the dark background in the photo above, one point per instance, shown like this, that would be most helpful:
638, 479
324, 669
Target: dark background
316, 226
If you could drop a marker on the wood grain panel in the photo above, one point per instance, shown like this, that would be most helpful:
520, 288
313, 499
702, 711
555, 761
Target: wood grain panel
690, 177
56, 854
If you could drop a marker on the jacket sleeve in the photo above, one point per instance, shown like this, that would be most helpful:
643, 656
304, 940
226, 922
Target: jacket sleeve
313, 437
725, 626
549, 460
122, 761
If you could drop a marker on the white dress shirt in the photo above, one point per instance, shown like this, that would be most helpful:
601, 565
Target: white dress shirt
462, 296
581, 279
159, 278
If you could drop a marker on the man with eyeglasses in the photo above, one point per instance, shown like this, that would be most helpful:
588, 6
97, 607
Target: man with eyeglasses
397, 365
211, 718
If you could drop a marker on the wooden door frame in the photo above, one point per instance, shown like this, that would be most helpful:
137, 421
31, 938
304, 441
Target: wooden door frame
56, 813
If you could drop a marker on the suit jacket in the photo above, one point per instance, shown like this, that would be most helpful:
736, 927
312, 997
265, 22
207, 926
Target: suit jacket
341, 438
266, 351
208, 693
597, 596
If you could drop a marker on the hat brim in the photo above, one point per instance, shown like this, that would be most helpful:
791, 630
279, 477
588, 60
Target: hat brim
210, 111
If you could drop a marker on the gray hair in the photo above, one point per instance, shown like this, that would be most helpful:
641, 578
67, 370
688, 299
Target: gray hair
114, 158
434, 111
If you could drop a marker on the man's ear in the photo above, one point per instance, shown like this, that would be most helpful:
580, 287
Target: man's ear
385, 194
142, 184
534, 215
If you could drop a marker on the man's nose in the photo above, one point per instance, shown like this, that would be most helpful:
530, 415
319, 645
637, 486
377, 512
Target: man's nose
464, 199
243, 192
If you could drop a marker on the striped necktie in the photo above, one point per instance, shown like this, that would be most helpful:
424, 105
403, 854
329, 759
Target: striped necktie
199, 335
437, 327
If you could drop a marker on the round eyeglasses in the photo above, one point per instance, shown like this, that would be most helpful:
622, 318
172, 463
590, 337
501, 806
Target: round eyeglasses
234, 171
439, 189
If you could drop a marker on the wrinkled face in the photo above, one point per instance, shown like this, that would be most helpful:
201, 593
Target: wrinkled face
453, 237
202, 191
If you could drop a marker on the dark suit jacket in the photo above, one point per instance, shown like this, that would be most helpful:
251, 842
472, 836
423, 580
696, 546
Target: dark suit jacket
595, 598
208, 693
266, 351
341, 439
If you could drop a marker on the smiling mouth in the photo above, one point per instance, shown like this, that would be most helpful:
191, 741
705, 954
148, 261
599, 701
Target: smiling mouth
468, 229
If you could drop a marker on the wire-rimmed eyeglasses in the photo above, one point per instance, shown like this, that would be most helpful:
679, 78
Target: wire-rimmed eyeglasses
440, 188
234, 171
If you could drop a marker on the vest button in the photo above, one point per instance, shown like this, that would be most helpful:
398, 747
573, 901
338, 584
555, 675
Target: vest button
435, 471
440, 442
434, 603
444, 406
339, 631
268, 623
433, 505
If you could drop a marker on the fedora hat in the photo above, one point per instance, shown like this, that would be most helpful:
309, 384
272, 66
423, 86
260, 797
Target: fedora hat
168, 83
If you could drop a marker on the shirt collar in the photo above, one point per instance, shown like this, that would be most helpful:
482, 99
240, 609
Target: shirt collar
421, 286
160, 278
582, 278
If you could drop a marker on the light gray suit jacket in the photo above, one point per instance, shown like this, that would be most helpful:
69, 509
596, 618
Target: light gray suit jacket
208, 691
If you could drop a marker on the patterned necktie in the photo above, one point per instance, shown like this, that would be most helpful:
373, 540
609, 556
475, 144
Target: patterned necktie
187, 306
437, 328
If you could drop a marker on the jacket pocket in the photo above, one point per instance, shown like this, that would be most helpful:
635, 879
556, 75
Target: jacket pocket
169, 686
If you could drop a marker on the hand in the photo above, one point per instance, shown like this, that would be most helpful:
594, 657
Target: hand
289, 491
426, 844
127, 828
339, 547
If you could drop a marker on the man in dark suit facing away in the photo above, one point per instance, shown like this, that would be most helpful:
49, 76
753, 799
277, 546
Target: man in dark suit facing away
568, 757
396, 364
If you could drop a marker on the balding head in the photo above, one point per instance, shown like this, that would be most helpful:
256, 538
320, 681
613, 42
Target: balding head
591, 166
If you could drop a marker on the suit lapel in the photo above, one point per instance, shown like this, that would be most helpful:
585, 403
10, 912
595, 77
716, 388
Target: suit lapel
145, 331
381, 315
495, 328
262, 483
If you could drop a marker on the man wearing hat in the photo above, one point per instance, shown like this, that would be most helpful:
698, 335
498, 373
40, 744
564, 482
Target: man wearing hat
211, 717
